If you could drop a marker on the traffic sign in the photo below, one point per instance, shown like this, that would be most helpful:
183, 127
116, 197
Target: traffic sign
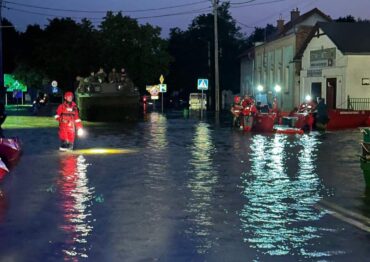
161, 79
163, 88
154, 91
202, 84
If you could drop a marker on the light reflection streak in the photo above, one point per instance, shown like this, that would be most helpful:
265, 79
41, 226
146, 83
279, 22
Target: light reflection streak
76, 201
158, 131
278, 217
201, 183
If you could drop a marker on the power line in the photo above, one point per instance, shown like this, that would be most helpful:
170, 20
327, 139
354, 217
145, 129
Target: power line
49, 15
102, 18
105, 11
245, 2
179, 13
245, 25
250, 3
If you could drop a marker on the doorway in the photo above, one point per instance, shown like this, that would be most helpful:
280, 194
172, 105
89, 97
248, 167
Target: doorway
331, 93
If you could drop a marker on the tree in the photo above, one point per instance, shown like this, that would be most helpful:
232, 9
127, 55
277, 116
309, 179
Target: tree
137, 48
347, 19
261, 34
10, 45
193, 56
68, 49
30, 76
63, 50
351, 19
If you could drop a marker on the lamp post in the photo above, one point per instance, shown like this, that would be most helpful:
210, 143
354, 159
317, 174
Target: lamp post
217, 87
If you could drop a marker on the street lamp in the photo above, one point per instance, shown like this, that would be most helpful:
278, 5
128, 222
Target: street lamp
259, 96
308, 98
277, 88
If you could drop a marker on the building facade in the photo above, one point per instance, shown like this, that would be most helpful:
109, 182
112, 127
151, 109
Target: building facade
272, 63
335, 63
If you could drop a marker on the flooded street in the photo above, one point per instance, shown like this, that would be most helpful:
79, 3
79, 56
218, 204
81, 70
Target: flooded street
174, 188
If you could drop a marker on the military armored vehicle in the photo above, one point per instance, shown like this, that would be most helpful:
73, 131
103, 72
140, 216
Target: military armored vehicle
101, 101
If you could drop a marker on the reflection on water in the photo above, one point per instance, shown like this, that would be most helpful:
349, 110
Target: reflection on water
76, 201
157, 155
279, 216
158, 131
203, 177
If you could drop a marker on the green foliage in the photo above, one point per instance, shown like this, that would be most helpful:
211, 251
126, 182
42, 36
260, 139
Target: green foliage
350, 19
193, 52
261, 34
30, 76
66, 49
10, 45
137, 48
347, 18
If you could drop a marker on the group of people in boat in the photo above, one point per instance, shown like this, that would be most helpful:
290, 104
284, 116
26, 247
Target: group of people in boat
245, 109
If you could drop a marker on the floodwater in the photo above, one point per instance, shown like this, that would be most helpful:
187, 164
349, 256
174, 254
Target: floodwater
175, 188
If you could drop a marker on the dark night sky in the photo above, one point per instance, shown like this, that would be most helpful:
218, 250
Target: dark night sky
249, 15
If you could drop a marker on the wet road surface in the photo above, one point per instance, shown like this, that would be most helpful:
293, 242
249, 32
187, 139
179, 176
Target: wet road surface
181, 189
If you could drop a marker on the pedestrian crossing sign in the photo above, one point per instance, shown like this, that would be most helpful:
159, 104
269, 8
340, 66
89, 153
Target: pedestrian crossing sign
202, 84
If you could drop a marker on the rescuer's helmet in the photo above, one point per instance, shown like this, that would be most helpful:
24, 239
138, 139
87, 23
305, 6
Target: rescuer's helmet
67, 95
237, 99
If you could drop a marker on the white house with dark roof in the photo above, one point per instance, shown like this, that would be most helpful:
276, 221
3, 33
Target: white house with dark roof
336, 64
272, 62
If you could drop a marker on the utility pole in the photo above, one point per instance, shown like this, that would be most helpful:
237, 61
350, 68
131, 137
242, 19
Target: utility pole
209, 103
2, 88
217, 86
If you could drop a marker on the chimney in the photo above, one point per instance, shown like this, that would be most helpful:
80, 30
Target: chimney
294, 14
280, 24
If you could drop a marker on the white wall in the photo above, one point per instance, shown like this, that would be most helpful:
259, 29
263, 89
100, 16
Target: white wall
338, 70
358, 68
276, 68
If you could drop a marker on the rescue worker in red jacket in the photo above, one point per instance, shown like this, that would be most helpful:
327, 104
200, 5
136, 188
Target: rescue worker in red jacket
236, 110
249, 111
69, 121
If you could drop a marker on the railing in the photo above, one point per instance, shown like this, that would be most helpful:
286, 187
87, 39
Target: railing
358, 103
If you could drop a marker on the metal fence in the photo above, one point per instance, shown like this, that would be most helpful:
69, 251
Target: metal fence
358, 103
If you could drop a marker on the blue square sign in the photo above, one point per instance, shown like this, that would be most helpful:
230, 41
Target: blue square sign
202, 84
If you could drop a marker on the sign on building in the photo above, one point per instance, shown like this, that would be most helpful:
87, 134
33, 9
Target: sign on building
314, 72
323, 57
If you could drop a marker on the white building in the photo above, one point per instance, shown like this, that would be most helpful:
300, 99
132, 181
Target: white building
336, 64
272, 63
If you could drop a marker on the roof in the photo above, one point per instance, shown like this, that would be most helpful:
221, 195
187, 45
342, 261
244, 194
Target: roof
288, 26
349, 38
